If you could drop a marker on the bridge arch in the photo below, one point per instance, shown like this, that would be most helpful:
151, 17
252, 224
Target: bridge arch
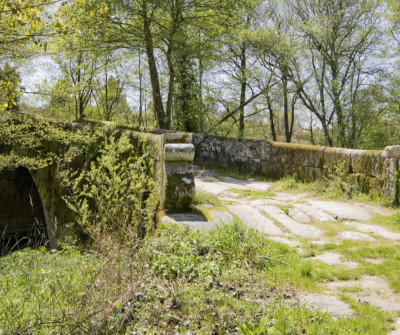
22, 218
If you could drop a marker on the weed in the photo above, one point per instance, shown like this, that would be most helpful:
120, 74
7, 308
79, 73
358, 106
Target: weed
252, 193
204, 198
115, 197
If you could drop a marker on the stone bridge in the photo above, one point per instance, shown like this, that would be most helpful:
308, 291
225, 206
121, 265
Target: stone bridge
28, 196
31, 199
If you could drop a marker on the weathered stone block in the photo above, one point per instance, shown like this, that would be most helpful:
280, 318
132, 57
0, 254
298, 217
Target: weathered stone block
391, 168
179, 152
299, 154
179, 186
393, 151
335, 158
367, 162
178, 138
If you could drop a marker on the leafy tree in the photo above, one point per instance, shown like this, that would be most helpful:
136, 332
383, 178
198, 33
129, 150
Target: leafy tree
186, 103
339, 36
9, 88
22, 24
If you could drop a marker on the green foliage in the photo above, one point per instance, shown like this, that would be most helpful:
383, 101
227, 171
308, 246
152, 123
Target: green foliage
299, 320
9, 88
115, 198
231, 244
35, 142
205, 198
45, 292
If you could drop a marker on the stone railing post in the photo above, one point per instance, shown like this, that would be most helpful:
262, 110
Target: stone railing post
178, 175
391, 186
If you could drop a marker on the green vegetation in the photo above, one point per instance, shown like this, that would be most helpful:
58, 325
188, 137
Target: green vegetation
338, 186
116, 195
258, 69
178, 281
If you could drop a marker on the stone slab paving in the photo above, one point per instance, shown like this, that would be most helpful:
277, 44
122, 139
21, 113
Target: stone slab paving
322, 242
213, 188
192, 220
375, 209
366, 282
252, 218
375, 291
305, 209
217, 187
397, 330
333, 258
342, 211
228, 200
294, 227
326, 303
221, 217
375, 229
297, 215
292, 197
284, 240
247, 184
315, 213
375, 260
266, 202
354, 236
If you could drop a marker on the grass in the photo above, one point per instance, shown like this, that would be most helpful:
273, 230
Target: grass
252, 193
179, 281
204, 198
228, 280
329, 189
42, 292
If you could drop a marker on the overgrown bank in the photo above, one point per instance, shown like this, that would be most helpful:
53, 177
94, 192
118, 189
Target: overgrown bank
231, 280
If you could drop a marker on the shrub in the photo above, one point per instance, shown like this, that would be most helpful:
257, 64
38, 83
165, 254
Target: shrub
115, 198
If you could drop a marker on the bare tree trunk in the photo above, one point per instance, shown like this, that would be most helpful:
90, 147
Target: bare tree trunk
271, 118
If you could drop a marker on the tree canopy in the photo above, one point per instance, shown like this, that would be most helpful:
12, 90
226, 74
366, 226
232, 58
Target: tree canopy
314, 71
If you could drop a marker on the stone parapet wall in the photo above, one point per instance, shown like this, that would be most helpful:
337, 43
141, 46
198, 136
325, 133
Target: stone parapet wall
377, 168
172, 156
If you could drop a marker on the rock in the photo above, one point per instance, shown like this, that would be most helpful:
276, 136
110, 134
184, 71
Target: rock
375, 261
326, 303
376, 209
265, 202
221, 217
334, 259
213, 188
297, 215
315, 213
285, 240
374, 291
296, 228
322, 243
397, 330
375, 229
342, 210
254, 219
365, 283
182, 152
192, 220
353, 236
393, 151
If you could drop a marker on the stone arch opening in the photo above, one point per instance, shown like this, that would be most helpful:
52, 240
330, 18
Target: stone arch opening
22, 219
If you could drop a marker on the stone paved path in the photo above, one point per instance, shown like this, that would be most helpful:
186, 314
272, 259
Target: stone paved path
298, 220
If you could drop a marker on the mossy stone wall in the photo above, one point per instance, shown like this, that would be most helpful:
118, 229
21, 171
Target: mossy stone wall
377, 168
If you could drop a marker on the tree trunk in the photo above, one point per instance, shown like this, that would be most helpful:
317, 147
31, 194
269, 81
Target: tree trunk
271, 118
288, 134
243, 87
154, 77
